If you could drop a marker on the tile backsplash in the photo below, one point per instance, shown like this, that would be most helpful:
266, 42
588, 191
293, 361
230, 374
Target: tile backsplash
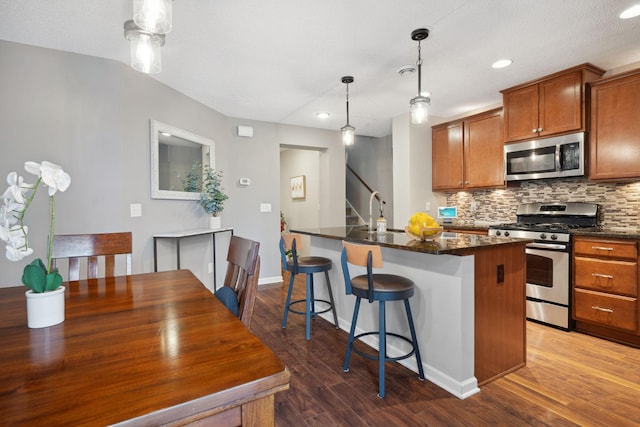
619, 202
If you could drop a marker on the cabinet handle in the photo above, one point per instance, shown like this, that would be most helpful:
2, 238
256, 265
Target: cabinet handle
601, 248
606, 276
534, 130
606, 310
539, 129
466, 182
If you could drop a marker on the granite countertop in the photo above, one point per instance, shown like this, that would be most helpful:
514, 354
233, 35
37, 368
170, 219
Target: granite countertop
613, 232
448, 243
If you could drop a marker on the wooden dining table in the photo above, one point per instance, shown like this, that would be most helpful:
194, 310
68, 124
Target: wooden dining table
146, 349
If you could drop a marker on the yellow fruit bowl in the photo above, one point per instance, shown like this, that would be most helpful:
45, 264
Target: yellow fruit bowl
426, 233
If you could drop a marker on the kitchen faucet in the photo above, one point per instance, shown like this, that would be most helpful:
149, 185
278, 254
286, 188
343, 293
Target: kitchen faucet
371, 229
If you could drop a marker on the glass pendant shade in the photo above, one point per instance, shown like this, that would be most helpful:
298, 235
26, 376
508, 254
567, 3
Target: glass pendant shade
153, 16
348, 135
144, 47
419, 109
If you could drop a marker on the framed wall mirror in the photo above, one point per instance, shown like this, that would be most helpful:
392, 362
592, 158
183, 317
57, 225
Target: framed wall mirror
178, 159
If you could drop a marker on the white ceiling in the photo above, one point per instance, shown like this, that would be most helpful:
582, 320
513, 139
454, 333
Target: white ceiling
281, 60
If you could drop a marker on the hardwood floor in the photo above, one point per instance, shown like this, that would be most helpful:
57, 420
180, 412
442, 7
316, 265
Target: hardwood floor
570, 379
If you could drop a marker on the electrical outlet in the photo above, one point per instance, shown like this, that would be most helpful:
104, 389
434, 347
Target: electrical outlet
500, 273
210, 267
428, 207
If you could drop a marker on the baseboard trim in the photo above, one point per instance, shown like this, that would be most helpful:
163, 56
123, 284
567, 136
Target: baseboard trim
269, 280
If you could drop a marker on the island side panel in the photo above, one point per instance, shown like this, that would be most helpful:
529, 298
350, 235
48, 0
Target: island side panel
500, 324
443, 311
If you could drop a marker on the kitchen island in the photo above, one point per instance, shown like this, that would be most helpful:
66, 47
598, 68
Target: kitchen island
469, 305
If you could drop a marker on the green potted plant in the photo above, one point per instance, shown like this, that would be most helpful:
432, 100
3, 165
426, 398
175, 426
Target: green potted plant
212, 197
45, 297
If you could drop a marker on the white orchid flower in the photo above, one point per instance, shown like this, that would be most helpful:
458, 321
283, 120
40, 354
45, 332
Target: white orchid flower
17, 247
16, 188
54, 177
32, 168
15, 254
9, 213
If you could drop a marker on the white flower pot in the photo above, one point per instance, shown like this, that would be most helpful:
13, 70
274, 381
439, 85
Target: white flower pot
215, 222
46, 308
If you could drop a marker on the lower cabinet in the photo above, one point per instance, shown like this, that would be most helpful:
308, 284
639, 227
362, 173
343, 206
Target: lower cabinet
605, 288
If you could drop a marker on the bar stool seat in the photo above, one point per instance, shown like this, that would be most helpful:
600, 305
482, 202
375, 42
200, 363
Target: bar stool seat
308, 265
379, 287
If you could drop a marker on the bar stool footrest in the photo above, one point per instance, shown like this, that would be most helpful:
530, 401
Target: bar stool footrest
386, 359
330, 306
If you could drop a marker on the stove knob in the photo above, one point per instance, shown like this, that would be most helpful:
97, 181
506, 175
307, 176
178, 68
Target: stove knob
543, 236
554, 237
506, 234
498, 233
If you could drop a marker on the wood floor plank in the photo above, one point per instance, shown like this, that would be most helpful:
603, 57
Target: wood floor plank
571, 379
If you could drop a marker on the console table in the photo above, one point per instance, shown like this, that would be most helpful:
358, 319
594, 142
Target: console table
179, 235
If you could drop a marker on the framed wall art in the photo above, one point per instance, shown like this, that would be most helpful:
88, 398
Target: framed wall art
298, 187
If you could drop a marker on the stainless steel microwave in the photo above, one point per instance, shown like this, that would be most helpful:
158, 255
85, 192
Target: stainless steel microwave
554, 157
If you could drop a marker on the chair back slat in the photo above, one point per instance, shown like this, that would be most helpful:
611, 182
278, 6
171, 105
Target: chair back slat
289, 238
357, 254
243, 271
92, 246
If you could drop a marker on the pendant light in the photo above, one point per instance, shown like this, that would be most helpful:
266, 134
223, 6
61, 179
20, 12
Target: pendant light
153, 16
144, 48
348, 131
419, 104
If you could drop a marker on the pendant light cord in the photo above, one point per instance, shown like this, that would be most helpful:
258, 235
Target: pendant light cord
347, 104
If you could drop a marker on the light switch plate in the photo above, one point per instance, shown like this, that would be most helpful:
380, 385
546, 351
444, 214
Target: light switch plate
136, 210
265, 207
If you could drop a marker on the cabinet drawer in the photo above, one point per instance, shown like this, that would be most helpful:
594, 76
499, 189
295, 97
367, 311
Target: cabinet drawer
605, 309
619, 277
607, 248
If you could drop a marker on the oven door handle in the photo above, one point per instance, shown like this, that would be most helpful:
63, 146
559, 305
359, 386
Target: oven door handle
547, 246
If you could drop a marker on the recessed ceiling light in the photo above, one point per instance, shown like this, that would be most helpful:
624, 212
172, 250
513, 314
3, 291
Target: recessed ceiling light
501, 63
322, 115
632, 12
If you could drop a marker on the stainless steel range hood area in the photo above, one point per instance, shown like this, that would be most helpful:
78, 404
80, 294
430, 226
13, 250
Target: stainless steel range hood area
555, 157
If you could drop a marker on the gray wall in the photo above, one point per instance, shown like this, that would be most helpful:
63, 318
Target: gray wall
91, 116
372, 159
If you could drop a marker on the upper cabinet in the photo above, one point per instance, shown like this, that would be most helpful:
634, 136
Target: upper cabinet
614, 137
468, 153
552, 105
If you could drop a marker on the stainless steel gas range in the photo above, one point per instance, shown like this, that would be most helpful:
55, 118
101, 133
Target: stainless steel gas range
549, 255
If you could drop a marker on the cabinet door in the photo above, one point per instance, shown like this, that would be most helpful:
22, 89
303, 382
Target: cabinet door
614, 140
560, 104
483, 151
521, 113
447, 152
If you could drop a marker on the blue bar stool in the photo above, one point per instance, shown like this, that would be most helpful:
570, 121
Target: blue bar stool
381, 288
292, 262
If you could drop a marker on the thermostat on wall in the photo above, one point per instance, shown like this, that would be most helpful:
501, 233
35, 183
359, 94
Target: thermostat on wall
245, 181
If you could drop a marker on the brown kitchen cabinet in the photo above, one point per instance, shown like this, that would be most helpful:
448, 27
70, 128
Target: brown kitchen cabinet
614, 140
605, 288
468, 153
552, 105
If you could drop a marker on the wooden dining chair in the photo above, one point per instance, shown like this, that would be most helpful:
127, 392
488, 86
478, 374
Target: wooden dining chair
240, 286
92, 247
